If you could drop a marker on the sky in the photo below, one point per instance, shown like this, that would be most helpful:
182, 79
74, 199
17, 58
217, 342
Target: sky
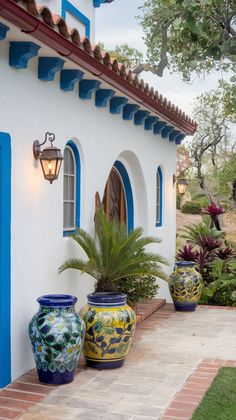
116, 24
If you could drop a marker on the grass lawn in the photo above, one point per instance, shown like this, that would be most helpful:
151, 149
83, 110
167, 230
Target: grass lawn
220, 400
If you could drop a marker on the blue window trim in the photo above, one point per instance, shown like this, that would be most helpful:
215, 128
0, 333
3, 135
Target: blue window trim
66, 6
128, 193
159, 173
75, 150
5, 259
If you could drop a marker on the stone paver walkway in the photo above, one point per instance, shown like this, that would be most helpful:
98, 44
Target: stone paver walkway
168, 347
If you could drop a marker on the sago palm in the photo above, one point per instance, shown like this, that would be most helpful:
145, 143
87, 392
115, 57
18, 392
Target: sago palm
114, 254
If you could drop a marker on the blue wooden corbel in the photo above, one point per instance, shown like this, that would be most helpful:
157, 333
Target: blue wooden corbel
69, 78
102, 96
166, 131
3, 31
48, 67
87, 87
173, 135
179, 138
129, 110
21, 52
117, 103
158, 127
140, 117
97, 3
149, 122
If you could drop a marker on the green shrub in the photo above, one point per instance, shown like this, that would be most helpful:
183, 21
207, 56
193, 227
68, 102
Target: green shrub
191, 207
139, 289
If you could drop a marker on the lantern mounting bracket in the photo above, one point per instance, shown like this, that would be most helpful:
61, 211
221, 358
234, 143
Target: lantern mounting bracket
37, 146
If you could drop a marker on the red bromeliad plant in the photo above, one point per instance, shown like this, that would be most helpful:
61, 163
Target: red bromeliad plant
213, 210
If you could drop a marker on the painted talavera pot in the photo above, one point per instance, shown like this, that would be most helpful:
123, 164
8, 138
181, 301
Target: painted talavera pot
110, 325
57, 334
185, 285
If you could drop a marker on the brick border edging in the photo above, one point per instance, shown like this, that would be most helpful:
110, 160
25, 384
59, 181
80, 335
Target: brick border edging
189, 397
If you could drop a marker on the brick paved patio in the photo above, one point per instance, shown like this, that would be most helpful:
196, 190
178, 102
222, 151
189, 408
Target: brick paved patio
173, 360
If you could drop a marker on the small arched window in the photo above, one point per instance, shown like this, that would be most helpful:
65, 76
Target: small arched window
71, 188
159, 197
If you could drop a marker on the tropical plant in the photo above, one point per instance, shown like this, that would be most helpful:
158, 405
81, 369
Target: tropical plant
222, 291
193, 233
114, 254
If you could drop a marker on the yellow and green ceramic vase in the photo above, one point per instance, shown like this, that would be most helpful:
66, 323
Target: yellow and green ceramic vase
110, 325
185, 285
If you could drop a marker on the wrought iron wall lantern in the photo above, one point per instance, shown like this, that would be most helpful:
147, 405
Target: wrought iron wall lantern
50, 157
182, 184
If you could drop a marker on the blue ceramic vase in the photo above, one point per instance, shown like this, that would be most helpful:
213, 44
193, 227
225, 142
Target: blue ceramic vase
110, 325
185, 285
57, 333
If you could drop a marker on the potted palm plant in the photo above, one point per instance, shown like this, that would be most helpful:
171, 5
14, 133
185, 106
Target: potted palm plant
113, 254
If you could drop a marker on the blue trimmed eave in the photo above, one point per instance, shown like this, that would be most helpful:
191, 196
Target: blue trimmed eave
21, 52
97, 3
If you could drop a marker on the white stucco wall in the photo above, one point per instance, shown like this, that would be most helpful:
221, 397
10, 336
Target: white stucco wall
29, 108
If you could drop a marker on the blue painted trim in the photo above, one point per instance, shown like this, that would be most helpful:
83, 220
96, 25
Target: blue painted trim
21, 52
159, 173
158, 127
69, 78
75, 150
149, 122
117, 103
128, 193
66, 6
173, 135
48, 67
179, 138
5, 259
97, 3
166, 131
140, 117
3, 31
129, 110
102, 96
87, 87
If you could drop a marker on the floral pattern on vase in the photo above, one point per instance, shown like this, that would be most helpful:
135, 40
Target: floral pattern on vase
185, 285
109, 330
57, 335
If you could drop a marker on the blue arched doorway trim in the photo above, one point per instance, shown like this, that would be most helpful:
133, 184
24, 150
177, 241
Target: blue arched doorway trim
5, 259
75, 150
128, 193
159, 197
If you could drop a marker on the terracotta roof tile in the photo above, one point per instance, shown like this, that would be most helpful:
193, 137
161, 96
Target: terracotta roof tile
58, 24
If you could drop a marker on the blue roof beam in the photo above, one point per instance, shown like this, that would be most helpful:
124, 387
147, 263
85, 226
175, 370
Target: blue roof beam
102, 96
21, 52
173, 135
48, 67
69, 78
97, 3
117, 103
179, 138
166, 131
140, 117
3, 31
158, 127
149, 123
129, 110
87, 87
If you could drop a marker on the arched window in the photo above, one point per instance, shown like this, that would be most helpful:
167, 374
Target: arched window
159, 198
71, 188
118, 196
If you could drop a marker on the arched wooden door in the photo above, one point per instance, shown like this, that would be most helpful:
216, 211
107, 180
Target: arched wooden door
114, 201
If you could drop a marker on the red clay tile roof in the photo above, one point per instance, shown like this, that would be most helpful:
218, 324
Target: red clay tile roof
138, 88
